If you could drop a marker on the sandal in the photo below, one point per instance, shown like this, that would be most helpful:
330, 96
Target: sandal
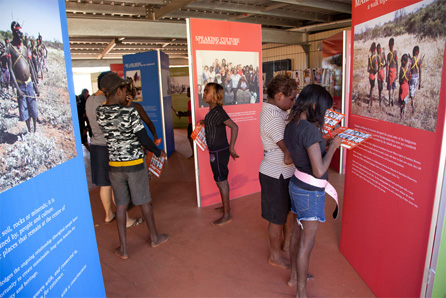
137, 222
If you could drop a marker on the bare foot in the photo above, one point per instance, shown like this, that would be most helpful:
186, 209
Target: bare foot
222, 221
281, 262
286, 246
112, 218
219, 208
161, 239
120, 254
293, 281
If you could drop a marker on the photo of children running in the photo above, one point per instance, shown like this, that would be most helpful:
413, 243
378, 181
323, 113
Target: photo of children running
307, 150
215, 123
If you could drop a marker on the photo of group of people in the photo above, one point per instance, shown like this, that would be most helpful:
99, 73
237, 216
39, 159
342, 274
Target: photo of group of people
396, 64
237, 72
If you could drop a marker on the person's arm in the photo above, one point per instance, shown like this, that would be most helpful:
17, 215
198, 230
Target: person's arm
12, 75
320, 164
147, 143
287, 157
33, 73
183, 114
234, 132
146, 120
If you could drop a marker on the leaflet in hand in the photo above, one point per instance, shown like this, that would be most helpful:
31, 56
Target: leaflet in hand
199, 136
350, 137
155, 164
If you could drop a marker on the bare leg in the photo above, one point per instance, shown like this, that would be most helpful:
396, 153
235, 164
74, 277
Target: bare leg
105, 193
191, 142
275, 236
223, 186
155, 238
287, 230
371, 97
120, 220
379, 93
294, 247
306, 243
28, 124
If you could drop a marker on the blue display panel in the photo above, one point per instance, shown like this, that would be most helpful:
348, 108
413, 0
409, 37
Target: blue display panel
153, 85
47, 241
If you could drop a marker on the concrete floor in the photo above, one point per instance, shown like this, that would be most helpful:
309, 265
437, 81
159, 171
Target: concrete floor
201, 260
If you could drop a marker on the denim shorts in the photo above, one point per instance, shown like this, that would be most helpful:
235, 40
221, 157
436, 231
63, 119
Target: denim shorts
308, 205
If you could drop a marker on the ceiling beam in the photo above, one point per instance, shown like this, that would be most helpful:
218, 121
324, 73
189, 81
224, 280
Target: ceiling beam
323, 27
249, 18
133, 29
322, 4
107, 49
91, 62
258, 10
81, 7
169, 7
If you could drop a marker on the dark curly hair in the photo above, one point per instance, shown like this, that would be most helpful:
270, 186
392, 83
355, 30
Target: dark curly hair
281, 83
314, 101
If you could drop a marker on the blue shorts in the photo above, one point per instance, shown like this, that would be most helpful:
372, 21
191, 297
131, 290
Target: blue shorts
308, 205
27, 104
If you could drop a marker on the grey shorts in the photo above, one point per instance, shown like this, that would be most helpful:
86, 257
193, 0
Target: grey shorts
131, 185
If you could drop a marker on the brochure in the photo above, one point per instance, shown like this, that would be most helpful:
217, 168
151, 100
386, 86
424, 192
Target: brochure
155, 164
350, 137
198, 135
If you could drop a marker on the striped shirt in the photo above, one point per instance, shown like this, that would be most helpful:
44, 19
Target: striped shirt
272, 127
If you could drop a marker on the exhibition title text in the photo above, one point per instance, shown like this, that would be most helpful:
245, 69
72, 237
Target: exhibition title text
217, 40
370, 3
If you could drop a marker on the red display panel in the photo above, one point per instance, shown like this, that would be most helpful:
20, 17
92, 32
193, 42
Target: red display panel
391, 179
117, 68
239, 44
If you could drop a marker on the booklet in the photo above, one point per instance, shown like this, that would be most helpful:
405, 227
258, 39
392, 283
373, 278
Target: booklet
332, 118
155, 164
350, 137
199, 136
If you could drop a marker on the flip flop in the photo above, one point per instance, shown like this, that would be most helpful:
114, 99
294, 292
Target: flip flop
137, 222
113, 218
153, 245
118, 253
